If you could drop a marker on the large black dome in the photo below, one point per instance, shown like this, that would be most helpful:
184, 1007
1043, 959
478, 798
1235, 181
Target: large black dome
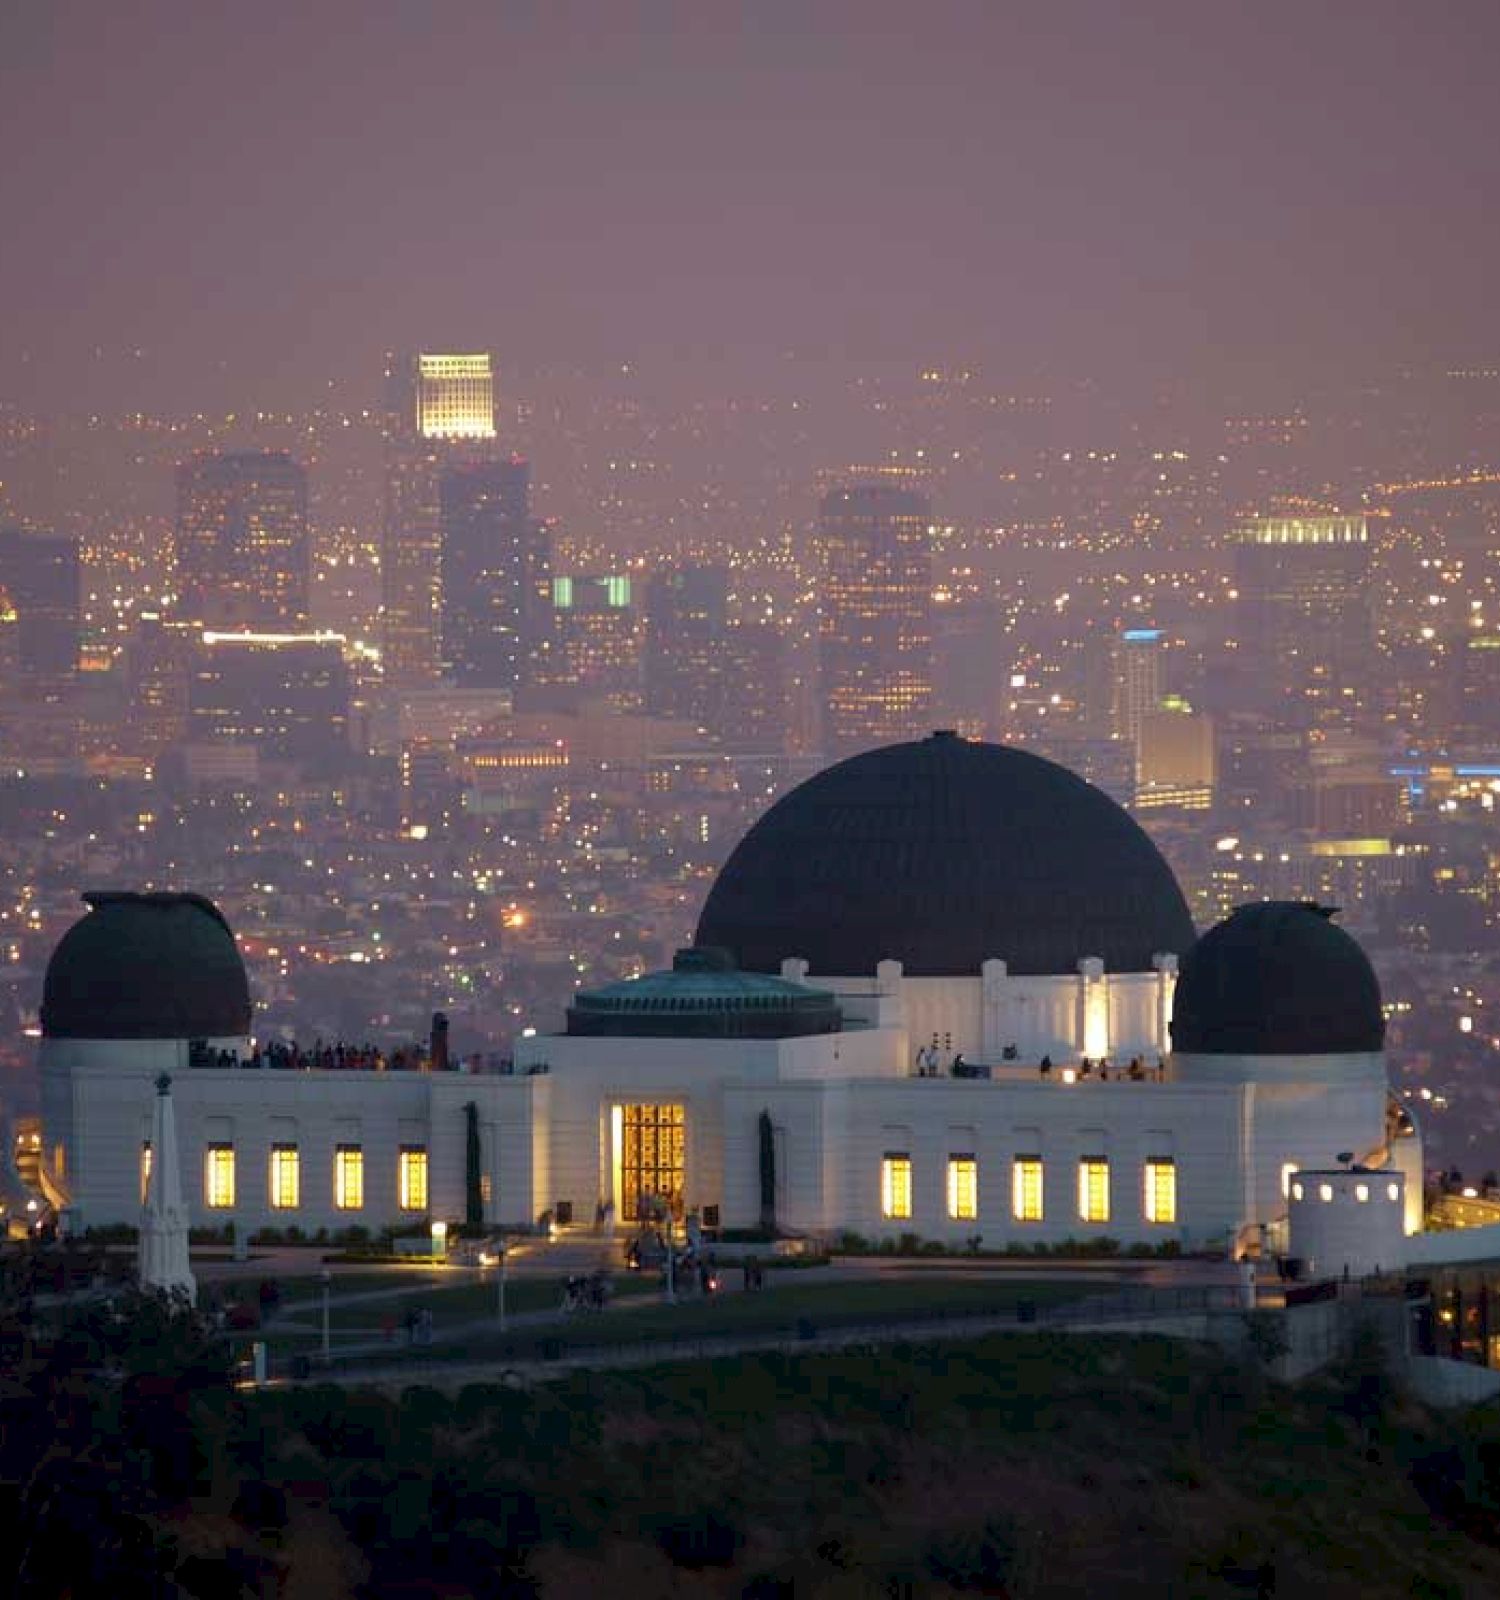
941, 854
1277, 979
146, 966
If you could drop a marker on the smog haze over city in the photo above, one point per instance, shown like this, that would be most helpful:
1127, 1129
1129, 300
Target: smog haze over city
1102, 296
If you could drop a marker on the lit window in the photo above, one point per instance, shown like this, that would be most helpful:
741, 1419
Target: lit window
963, 1188
413, 1177
1026, 1188
286, 1177
1361, 1192
1393, 1191
349, 1177
145, 1169
1093, 1189
1161, 1189
1325, 1192
1297, 1191
895, 1186
218, 1177
1287, 1169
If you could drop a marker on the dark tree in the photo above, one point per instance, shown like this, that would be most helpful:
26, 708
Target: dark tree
473, 1188
767, 1173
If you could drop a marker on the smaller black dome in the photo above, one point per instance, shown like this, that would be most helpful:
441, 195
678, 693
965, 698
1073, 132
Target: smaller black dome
146, 966
1277, 979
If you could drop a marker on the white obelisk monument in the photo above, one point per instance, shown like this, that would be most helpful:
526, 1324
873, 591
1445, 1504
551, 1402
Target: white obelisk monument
163, 1260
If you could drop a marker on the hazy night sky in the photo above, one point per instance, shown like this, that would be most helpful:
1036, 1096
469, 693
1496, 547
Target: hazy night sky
1121, 190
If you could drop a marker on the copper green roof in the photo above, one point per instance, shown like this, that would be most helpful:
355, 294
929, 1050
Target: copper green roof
704, 996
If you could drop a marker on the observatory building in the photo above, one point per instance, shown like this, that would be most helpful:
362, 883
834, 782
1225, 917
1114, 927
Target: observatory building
942, 988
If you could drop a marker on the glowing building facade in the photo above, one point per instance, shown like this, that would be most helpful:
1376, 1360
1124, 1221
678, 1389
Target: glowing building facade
875, 615
440, 410
1306, 614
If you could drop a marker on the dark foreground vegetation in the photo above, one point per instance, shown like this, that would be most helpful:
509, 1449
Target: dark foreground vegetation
1018, 1465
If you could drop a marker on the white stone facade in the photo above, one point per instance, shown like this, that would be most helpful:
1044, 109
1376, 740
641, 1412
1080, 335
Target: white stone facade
1197, 1156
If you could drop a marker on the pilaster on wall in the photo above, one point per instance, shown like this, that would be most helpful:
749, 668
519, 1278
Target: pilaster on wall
995, 1008
1166, 986
1093, 1008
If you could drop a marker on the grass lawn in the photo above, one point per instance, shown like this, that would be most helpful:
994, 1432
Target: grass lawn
778, 1310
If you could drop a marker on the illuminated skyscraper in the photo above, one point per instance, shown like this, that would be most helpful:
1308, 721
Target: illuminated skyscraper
1306, 620
440, 410
242, 548
875, 620
1137, 680
596, 638
495, 572
39, 577
455, 397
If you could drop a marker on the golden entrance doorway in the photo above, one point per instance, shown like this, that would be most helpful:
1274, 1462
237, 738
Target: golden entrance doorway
649, 1157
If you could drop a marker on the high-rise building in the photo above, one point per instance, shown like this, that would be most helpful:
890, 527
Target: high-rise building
596, 638
753, 714
1175, 759
1137, 680
243, 556
455, 397
440, 411
495, 572
159, 664
686, 622
285, 694
40, 579
875, 616
1305, 617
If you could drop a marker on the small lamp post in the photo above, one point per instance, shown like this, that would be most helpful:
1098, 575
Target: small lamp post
325, 1277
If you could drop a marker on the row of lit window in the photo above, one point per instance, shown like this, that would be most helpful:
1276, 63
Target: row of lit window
284, 1185
1361, 1192
1158, 1197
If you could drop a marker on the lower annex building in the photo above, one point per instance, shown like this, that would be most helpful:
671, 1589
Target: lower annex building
943, 988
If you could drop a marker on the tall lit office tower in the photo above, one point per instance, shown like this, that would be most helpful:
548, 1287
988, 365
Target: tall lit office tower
596, 638
495, 572
1305, 620
243, 557
440, 409
875, 616
39, 577
1137, 680
686, 620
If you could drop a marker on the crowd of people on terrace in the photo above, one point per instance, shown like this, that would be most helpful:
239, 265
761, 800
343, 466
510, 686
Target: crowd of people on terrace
318, 1057
934, 1061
